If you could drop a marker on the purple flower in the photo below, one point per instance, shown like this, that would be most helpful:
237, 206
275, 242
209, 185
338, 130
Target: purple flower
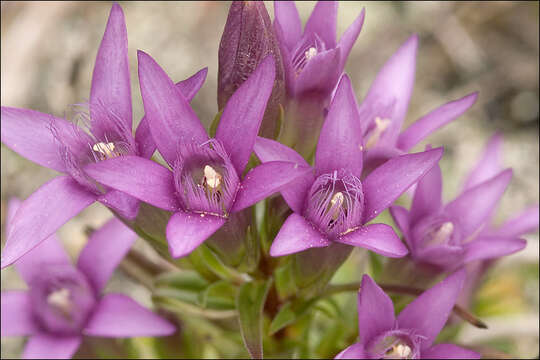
64, 302
312, 59
450, 235
333, 204
65, 147
385, 105
204, 187
411, 334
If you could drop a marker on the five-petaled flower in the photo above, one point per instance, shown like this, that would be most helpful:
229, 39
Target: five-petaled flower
333, 204
412, 333
65, 147
450, 235
204, 186
65, 302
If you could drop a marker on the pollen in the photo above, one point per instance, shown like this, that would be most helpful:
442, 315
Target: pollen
337, 199
212, 178
380, 126
105, 149
61, 300
310, 53
398, 351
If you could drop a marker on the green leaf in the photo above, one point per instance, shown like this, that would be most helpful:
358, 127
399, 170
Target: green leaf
215, 123
250, 305
285, 284
219, 295
204, 259
284, 317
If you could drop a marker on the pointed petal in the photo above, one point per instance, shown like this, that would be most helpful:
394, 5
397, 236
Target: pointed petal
489, 165
474, 206
125, 205
243, 113
51, 346
524, 223
380, 238
401, 218
428, 312
492, 247
375, 157
49, 251
355, 351
320, 74
265, 180
186, 231
349, 37
387, 182
144, 179
340, 141
447, 257
29, 133
170, 117
428, 195
287, 18
394, 85
105, 249
188, 88
323, 22
39, 216
295, 193
295, 235
119, 316
17, 318
436, 119
449, 351
111, 87
375, 310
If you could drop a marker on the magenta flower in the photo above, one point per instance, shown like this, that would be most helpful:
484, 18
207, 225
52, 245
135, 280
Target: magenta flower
204, 187
333, 205
312, 59
411, 334
64, 302
62, 146
450, 235
384, 108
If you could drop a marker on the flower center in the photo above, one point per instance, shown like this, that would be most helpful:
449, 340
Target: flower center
398, 351
61, 300
440, 235
306, 50
335, 203
205, 178
380, 127
310, 53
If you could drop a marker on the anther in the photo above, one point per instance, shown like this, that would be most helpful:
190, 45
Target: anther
380, 126
60, 299
106, 149
212, 178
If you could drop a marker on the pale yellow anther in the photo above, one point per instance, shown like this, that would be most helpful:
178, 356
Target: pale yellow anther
443, 233
337, 199
106, 149
211, 177
310, 53
399, 351
380, 126
60, 299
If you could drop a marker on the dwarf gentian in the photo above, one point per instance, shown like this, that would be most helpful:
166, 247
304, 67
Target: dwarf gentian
333, 205
204, 187
63, 146
410, 335
313, 62
450, 235
384, 108
65, 302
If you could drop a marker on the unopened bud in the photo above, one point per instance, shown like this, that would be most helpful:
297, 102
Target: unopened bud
247, 39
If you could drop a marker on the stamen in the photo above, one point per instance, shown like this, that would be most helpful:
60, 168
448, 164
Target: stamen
399, 351
380, 126
443, 233
212, 178
105, 149
310, 53
60, 299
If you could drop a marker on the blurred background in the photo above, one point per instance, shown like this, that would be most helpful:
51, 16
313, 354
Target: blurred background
47, 56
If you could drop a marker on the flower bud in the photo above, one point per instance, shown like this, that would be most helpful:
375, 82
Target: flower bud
247, 38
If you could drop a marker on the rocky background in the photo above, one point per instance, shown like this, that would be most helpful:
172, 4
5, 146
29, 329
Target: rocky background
48, 51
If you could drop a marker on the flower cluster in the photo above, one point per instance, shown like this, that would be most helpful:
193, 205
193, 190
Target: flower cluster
264, 207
